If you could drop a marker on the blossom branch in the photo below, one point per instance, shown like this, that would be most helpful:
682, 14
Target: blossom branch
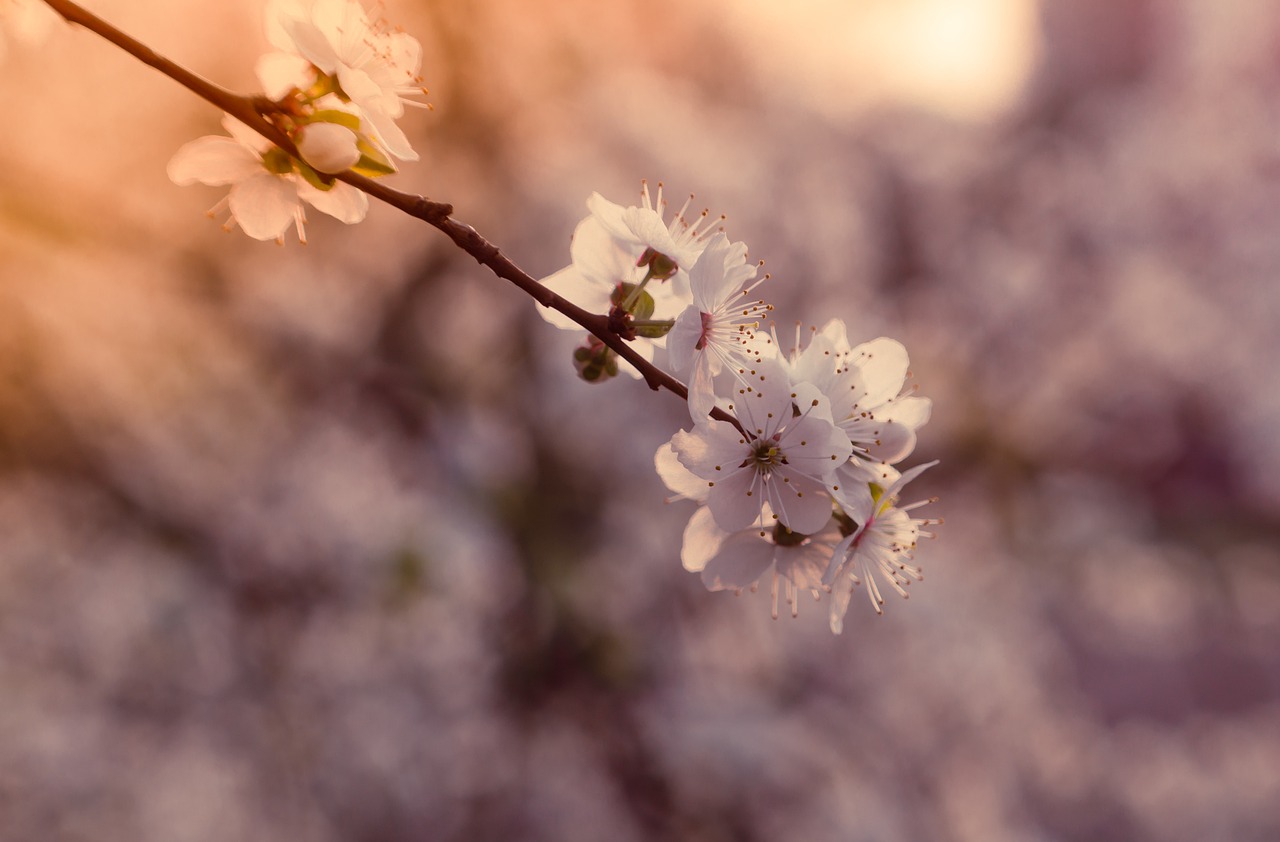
250, 111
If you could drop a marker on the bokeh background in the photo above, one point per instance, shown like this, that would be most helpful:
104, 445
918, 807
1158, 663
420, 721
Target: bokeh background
326, 542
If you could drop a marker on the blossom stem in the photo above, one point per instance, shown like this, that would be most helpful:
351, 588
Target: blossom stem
636, 290
249, 110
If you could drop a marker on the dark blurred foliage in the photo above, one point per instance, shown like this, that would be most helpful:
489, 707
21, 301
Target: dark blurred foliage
327, 543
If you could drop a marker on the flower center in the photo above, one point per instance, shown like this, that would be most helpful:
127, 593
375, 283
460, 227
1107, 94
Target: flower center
765, 456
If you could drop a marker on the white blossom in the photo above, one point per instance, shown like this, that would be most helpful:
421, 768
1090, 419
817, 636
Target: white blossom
267, 190
883, 543
787, 455
737, 561
719, 331
375, 69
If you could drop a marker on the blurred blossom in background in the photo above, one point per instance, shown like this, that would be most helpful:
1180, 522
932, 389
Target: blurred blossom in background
327, 542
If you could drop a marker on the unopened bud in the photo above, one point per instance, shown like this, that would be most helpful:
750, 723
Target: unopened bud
327, 147
595, 361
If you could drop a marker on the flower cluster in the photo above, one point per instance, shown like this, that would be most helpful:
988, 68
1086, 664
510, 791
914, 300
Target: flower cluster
336, 84
794, 479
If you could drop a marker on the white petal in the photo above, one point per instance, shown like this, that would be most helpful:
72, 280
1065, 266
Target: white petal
264, 205
702, 538
390, 135
884, 365
311, 43
213, 160
742, 559
343, 202
570, 285
683, 482
598, 256
682, 339
279, 73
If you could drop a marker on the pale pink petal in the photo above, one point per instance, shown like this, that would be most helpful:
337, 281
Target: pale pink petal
883, 363
742, 559
712, 449
701, 540
682, 482
800, 504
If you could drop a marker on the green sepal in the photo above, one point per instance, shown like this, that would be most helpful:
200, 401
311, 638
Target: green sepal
313, 178
277, 161
641, 308
373, 162
654, 331
333, 115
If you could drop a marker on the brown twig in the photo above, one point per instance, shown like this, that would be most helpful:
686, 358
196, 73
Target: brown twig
249, 110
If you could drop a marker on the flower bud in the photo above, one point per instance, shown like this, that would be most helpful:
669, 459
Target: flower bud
327, 147
595, 361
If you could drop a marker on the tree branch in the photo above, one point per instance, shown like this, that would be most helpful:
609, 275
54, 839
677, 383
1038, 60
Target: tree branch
249, 110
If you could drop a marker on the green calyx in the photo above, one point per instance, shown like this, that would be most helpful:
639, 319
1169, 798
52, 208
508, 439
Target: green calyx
595, 361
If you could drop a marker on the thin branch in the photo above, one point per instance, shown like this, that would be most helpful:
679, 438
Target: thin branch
249, 110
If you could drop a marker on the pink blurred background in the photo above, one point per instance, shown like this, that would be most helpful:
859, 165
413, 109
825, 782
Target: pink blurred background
326, 542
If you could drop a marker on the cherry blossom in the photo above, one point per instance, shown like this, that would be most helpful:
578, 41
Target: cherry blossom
630, 260
268, 187
377, 70
719, 331
882, 543
737, 561
865, 385
787, 455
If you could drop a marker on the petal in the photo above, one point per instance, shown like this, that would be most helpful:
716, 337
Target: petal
683, 482
814, 447
712, 449
570, 285
702, 393
884, 441
279, 73
702, 538
213, 160
851, 488
648, 229
910, 411
800, 504
737, 501
742, 559
343, 202
390, 135
883, 363
682, 339
598, 256
264, 205
803, 565
311, 43
246, 136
